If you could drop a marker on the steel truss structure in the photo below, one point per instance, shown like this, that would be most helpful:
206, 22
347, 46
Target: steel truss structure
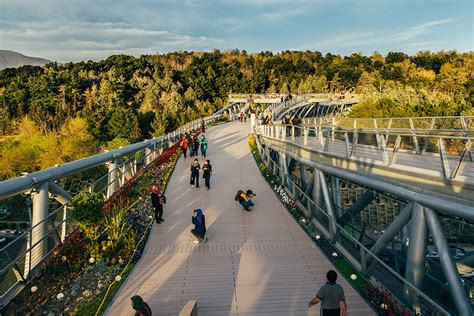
282, 147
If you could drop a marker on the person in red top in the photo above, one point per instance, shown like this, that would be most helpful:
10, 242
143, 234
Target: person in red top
184, 145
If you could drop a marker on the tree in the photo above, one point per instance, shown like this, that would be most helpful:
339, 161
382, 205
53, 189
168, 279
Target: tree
124, 124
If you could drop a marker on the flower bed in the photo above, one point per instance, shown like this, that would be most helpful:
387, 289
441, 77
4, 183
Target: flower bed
382, 301
83, 273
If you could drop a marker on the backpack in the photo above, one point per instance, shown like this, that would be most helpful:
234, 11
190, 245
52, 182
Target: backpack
237, 195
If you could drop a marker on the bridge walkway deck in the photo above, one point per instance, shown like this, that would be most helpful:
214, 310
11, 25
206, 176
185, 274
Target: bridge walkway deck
255, 263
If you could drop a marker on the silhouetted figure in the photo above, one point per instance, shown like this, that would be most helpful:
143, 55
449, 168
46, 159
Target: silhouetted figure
141, 308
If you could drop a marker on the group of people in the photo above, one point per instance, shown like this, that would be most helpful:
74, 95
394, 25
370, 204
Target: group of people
243, 117
206, 173
293, 119
193, 143
331, 295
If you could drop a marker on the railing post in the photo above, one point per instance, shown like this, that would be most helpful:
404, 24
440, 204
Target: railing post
444, 159
415, 139
39, 232
305, 135
112, 184
64, 225
148, 156
292, 132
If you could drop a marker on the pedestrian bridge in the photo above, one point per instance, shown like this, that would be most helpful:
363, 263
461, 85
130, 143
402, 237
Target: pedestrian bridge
379, 195
258, 262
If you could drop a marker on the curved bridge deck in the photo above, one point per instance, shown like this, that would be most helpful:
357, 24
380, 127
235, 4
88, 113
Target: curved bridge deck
255, 263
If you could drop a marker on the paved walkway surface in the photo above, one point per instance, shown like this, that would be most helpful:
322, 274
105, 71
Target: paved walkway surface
255, 263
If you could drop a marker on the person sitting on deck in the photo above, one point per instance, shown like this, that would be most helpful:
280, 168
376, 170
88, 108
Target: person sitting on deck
199, 230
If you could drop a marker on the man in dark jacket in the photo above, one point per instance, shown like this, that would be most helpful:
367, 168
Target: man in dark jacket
195, 167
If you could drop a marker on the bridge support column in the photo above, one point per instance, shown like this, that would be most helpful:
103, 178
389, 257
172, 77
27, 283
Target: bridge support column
39, 233
336, 196
416, 256
329, 206
460, 299
391, 231
112, 181
316, 194
283, 165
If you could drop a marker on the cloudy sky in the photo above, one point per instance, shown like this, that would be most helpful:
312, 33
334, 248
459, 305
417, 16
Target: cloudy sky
74, 30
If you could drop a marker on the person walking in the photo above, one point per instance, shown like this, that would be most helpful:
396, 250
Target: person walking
196, 144
203, 126
158, 199
140, 307
195, 167
184, 145
207, 172
241, 117
331, 296
199, 230
203, 146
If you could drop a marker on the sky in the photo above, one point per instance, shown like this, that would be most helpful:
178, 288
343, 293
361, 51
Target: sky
75, 30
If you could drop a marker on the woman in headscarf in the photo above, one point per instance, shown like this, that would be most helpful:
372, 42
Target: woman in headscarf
207, 172
195, 167
141, 307
158, 199
199, 230
203, 146
196, 144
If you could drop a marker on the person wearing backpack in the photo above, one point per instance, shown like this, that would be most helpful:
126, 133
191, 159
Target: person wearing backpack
199, 230
203, 146
158, 200
206, 173
195, 167
245, 199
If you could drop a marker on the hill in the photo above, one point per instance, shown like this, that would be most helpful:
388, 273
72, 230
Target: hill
11, 59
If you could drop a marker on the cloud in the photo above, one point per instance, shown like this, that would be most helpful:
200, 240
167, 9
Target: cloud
60, 40
278, 15
378, 38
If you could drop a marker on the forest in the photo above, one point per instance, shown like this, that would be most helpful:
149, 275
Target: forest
61, 112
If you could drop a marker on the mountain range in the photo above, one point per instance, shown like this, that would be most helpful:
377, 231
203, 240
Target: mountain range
11, 59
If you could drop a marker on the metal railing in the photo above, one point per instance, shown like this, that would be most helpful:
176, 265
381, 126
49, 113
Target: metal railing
448, 156
22, 257
351, 247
